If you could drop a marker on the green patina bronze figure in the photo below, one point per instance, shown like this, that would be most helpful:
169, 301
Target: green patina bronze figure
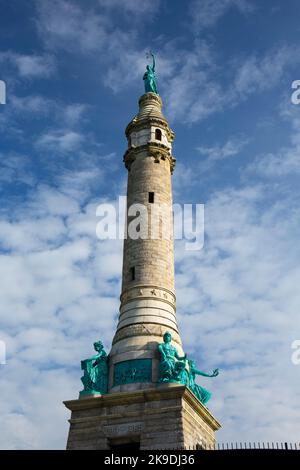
95, 378
201, 393
150, 77
172, 366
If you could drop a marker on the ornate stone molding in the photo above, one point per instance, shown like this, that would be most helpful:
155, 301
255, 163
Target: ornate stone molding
144, 329
129, 157
159, 393
155, 150
148, 292
158, 156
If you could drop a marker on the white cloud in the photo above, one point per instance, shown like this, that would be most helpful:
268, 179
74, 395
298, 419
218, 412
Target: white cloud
31, 66
35, 104
30, 234
35, 66
73, 113
188, 78
78, 184
15, 167
61, 141
262, 73
286, 161
221, 152
182, 177
133, 7
194, 92
275, 165
68, 114
206, 13
55, 275
190, 89
65, 118
64, 24
29, 414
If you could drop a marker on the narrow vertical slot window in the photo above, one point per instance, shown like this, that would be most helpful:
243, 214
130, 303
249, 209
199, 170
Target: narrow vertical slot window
132, 273
151, 198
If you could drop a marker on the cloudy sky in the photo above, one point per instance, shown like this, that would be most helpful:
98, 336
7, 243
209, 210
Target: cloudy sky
73, 71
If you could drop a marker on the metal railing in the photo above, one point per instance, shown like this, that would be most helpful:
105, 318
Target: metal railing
252, 446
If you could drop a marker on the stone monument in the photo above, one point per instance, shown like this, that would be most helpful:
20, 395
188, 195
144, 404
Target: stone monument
143, 394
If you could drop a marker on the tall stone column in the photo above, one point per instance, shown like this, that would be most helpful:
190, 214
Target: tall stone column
134, 410
148, 302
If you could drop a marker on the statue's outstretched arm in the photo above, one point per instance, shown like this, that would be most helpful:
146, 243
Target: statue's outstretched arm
199, 372
153, 65
214, 374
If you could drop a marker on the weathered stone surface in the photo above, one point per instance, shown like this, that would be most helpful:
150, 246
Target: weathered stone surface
148, 302
159, 418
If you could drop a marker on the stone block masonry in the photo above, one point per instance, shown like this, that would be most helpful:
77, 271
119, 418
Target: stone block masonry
167, 417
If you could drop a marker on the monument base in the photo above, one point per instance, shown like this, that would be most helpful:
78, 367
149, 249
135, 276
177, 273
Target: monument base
165, 417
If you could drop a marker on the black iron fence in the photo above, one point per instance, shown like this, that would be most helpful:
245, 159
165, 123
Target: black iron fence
253, 445
240, 446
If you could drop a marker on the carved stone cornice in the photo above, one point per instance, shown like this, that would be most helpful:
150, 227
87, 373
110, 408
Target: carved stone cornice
147, 291
155, 150
129, 157
158, 393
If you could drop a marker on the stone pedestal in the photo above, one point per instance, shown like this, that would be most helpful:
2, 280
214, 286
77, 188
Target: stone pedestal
165, 417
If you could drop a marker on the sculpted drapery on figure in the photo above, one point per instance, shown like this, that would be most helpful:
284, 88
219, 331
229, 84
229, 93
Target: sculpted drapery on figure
150, 77
201, 393
95, 378
173, 369
172, 366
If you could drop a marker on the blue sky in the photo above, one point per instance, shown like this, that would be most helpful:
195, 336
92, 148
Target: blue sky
73, 71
